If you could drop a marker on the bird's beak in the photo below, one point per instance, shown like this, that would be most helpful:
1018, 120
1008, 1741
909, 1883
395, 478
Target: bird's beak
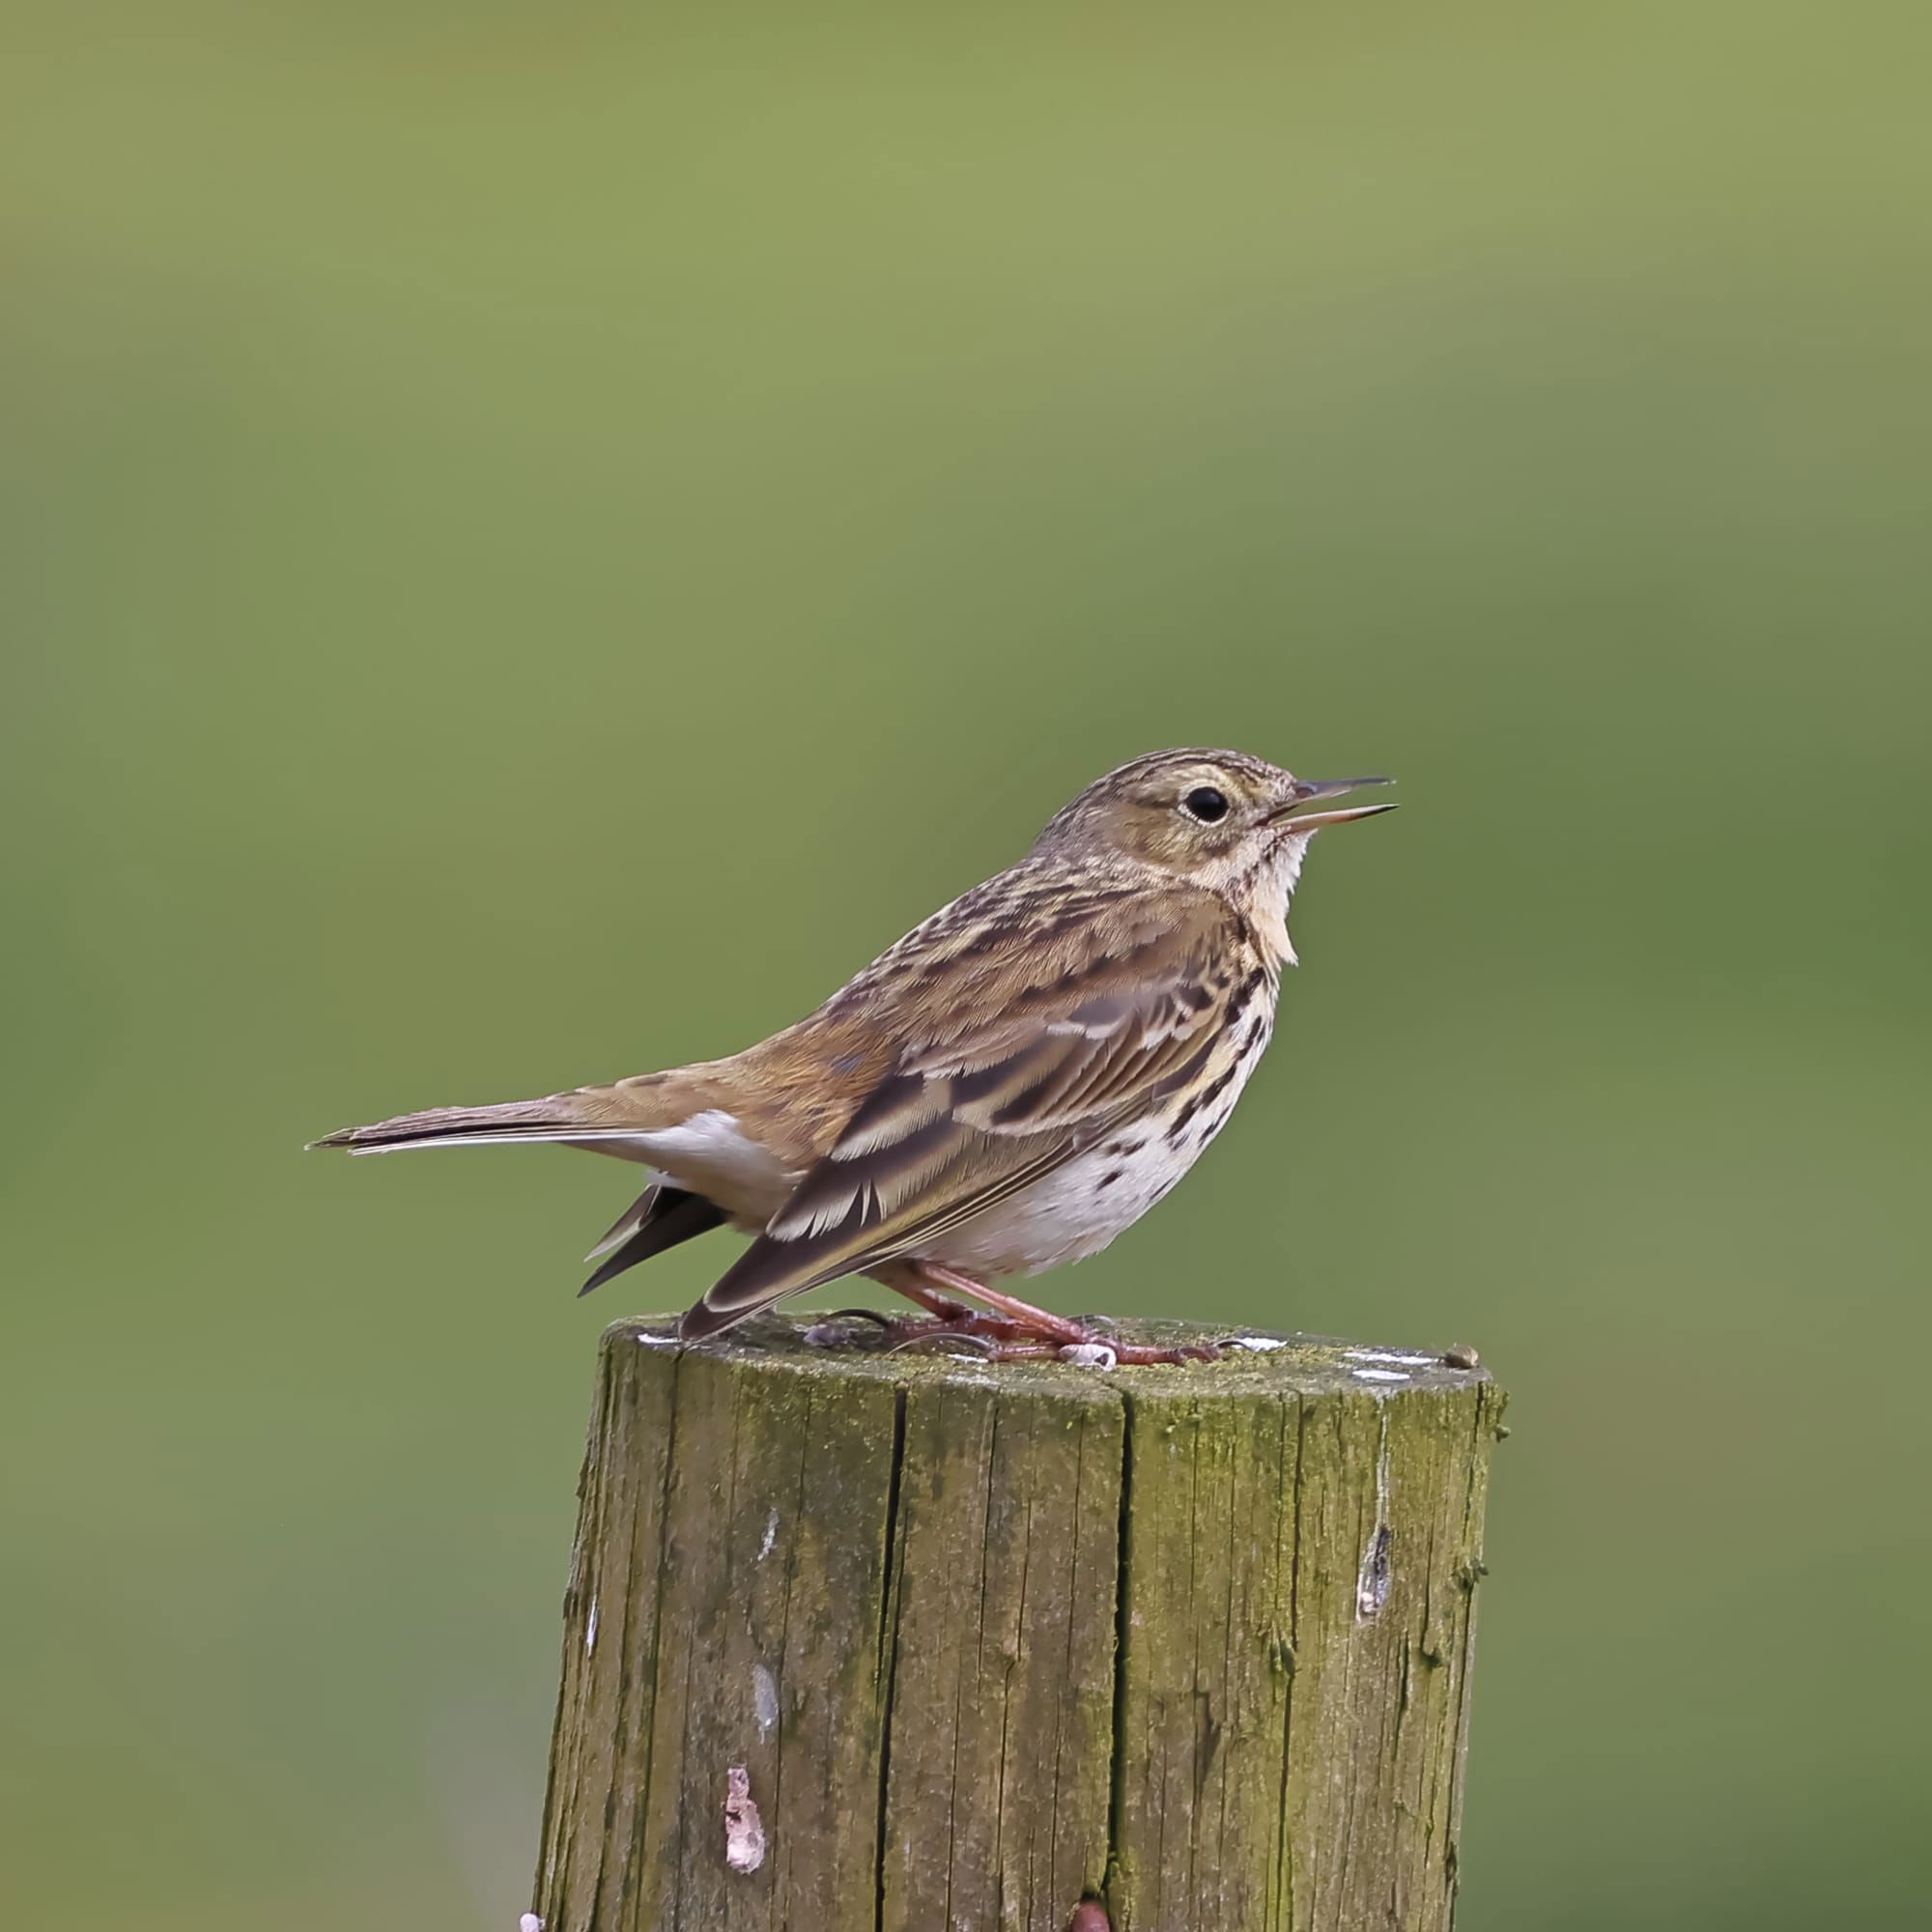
1308, 790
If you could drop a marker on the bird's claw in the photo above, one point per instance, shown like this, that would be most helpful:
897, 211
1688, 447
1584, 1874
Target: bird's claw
939, 1334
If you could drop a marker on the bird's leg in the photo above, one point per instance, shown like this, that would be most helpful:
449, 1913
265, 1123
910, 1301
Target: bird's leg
1040, 1324
1019, 1329
950, 1320
915, 1287
1005, 1329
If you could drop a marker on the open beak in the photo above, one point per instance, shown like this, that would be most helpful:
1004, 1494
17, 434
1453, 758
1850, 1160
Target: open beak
1308, 790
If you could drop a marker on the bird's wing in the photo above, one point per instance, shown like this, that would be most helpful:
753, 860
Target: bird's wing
998, 1087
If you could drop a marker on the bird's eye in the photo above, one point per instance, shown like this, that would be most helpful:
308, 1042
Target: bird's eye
1206, 804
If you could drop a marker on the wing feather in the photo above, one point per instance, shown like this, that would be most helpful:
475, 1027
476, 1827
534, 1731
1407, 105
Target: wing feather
972, 1113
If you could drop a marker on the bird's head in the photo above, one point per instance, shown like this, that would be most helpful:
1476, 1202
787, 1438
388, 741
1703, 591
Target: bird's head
1220, 819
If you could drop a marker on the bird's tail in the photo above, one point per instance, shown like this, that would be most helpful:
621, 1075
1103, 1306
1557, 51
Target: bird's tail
576, 1119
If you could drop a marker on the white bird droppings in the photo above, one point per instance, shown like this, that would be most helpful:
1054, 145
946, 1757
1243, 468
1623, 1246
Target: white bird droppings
1376, 1572
771, 1534
743, 1828
764, 1699
590, 1629
1090, 1356
647, 1340
1260, 1344
1372, 1580
1409, 1361
1380, 1375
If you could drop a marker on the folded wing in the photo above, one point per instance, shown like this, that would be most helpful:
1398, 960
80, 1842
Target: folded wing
976, 1108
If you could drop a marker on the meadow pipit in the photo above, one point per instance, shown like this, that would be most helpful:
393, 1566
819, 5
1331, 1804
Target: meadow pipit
1009, 1087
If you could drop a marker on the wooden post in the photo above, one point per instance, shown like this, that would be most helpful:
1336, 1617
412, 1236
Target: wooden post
865, 1642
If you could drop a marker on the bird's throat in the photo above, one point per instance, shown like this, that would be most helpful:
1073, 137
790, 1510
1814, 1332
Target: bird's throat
1265, 895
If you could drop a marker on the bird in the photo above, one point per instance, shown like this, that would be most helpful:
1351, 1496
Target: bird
1005, 1090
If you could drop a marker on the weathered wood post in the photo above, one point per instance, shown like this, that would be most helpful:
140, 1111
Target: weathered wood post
863, 1642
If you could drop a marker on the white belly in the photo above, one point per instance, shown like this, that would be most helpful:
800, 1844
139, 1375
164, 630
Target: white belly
1077, 1210
1067, 1216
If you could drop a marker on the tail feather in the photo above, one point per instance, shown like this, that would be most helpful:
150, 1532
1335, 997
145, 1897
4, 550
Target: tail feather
557, 1117
622, 1120
605, 1120
627, 1223
660, 1218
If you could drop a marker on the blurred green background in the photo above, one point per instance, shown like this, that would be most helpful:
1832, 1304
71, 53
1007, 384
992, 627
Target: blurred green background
541, 537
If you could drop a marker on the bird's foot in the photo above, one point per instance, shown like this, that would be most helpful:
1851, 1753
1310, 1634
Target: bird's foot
986, 1337
1005, 1329
1021, 1332
994, 1338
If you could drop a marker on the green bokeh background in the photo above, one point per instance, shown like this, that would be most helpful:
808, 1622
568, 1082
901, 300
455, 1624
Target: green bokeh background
542, 537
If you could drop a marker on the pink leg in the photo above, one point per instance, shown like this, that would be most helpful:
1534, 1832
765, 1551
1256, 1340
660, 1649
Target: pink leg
910, 1283
1038, 1331
949, 1318
1041, 1322
1007, 1331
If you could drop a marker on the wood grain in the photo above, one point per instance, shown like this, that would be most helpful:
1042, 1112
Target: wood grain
963, 1646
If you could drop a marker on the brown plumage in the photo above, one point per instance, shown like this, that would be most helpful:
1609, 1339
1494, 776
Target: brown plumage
1006, 1088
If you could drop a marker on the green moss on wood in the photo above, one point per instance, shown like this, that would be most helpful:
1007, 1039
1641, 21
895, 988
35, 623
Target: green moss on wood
987, 1639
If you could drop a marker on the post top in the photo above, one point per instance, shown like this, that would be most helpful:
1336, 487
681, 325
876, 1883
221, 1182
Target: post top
1255, 1361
